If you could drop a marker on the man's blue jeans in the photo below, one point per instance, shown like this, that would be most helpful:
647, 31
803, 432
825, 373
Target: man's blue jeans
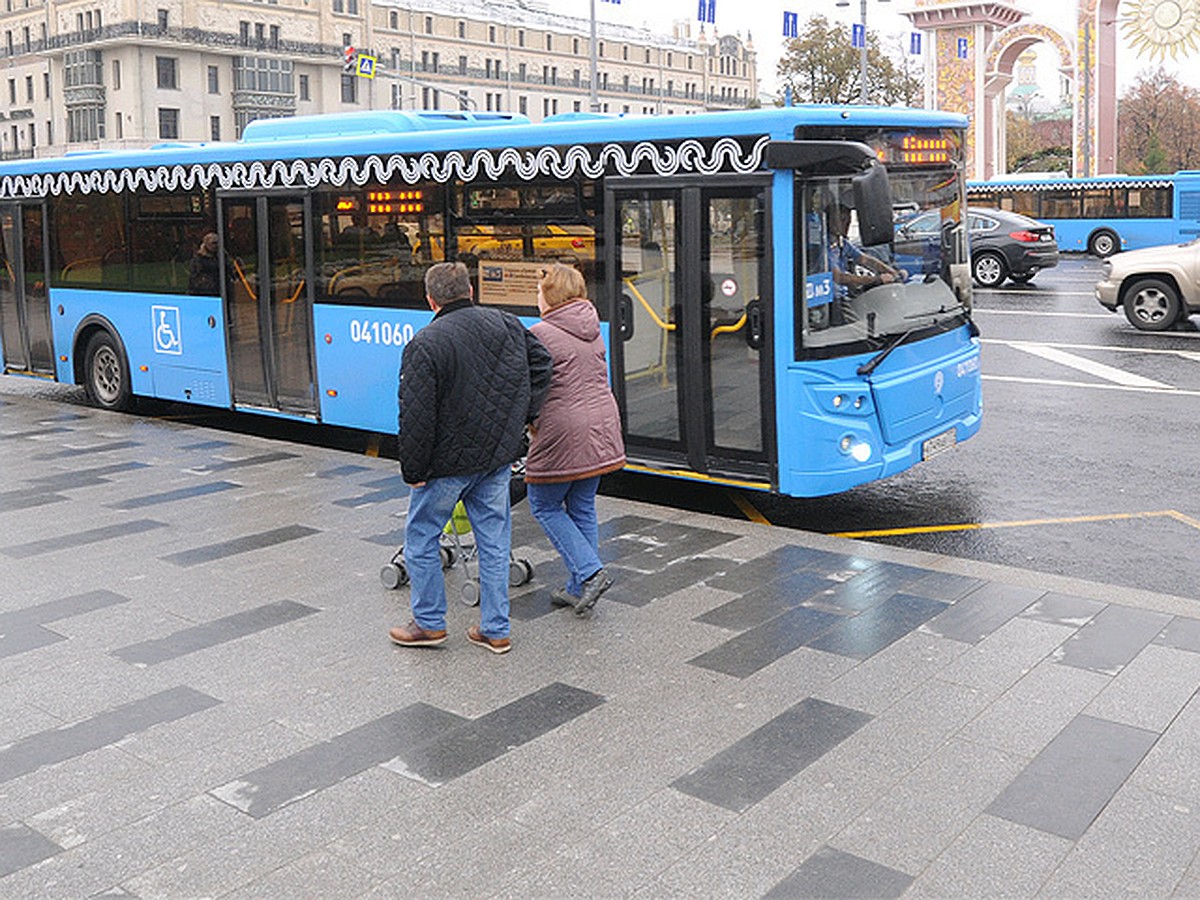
567, 513
485, 496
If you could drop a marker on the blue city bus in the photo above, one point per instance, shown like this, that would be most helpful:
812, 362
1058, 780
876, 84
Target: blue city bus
1102, 215
735, 355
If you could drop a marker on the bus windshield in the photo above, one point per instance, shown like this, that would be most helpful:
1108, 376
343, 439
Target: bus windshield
857, 297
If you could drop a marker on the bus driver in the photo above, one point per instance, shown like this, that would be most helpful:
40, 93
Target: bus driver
845, 259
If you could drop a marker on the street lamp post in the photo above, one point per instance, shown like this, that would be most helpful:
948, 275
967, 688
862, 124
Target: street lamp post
595, 93
862, 51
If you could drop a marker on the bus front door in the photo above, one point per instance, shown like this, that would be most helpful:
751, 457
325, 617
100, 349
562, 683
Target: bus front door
24, 301
268, 311
689, 286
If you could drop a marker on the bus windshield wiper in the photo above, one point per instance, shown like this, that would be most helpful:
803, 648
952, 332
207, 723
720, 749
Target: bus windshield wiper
873, 363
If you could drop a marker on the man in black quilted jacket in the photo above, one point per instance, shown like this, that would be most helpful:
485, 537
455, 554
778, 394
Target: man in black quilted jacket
470, 381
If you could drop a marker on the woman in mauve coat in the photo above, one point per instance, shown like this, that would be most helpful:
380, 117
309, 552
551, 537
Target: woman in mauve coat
577, 435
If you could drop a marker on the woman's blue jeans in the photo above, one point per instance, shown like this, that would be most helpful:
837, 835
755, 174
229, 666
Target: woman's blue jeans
567, 513
485, 496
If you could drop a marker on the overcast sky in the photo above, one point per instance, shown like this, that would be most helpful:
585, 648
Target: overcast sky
763, 19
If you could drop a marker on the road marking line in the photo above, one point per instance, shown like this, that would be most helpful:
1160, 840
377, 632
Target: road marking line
1052, 382
983, 526
748, 509
1043, 293
1192, 355
1039, 315
1088, 366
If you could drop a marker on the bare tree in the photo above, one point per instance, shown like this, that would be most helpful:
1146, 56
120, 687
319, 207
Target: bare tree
1159, 125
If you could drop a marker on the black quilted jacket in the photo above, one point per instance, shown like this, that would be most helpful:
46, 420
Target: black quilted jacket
469, 382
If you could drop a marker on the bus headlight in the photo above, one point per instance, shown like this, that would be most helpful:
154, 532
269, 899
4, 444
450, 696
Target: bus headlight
859, 450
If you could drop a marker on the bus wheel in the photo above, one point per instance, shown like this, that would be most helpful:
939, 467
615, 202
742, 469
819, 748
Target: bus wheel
1151, 304
988, 270
106, 373
1103, 243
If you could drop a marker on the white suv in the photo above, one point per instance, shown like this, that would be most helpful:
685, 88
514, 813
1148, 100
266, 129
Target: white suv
1156, 287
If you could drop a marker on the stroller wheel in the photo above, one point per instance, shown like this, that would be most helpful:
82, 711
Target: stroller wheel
470, 593
520, 572
448, 556
393, 575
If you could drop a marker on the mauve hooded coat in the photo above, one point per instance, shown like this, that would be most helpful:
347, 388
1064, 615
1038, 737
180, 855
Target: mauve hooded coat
578, 432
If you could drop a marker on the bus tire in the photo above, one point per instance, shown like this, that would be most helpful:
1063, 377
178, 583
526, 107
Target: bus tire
1152, 304
1103, 243
106, 373
988, 269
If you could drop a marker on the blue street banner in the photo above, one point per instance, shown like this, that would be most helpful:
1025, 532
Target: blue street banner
914, 43
617, 2
858, 36
707, 11
962, 48
791, 24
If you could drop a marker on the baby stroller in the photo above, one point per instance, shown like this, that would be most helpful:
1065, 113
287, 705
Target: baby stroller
454, 550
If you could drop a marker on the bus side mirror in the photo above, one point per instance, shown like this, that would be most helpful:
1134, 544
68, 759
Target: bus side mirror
873, 200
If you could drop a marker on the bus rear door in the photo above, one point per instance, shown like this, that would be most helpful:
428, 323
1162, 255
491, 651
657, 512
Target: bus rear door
266, 248
689, 285
24, 301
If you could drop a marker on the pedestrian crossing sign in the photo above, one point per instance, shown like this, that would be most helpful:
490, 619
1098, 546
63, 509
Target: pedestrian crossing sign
366, 66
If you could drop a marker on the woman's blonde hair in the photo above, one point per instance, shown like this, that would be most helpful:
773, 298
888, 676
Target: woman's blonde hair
561, 283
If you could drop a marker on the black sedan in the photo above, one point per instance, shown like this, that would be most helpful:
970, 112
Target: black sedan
1003, 244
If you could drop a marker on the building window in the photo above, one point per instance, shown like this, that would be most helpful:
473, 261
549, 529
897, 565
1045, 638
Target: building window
244, 32
303, 87
25, 37
523, 105
520, 37
168, 124
464, 100
352, 7
549, 42
275, 37
349, 89
647, 54
8, 42
214, 84
577, 106
260, 33
163, 18
429, 24
492, 33
462, 65
394, 20
46, 85
670, 59
462, 29
12, 92
214, 128
575, 46
339, 6
167, 68
262, 75
600, 48
625, 52
120, 126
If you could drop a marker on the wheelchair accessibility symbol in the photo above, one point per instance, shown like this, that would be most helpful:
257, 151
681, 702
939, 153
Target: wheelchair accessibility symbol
167, 336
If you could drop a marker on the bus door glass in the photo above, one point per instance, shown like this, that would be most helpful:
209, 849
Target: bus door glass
691, 326
24, 302
268, 312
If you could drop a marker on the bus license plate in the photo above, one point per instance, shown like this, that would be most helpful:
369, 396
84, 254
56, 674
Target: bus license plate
939, 444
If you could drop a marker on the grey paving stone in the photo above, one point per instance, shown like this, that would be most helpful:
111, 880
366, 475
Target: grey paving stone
751, 768
1064, 609
174, 496
21, 846
245, 544
865, 634
758, 647
28, 498
1066, 786
62, 608
920, 816
1172, 767
455, 751
73, 540
86, 477
982, 611
835, 874
48, 747
945, 586
762, 603
23, 638
772, 565
641, 589
260, 459
868, 588
1151, 690
71, 452
1112, 638
1142, 844
992, 858
316, 874
209, 634
1031, 713
1181, 632
1003, 658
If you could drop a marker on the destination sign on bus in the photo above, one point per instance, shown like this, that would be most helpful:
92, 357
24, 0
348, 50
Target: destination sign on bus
395, 202
929, 148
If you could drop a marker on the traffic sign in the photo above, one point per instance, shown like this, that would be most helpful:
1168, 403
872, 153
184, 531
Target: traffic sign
366, 66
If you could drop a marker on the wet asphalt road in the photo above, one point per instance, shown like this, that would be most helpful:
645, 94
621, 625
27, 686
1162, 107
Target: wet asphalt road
1086, 464
1087, 461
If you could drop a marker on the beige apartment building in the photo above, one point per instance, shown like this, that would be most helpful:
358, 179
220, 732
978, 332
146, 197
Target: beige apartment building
87, 74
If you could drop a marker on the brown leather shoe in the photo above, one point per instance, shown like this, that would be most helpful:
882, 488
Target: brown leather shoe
413, 635
496, 645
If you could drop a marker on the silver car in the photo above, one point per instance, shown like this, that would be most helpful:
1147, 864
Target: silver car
1157, 287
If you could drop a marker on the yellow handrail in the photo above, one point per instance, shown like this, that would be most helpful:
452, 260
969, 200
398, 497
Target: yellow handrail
665, 326
726, 329
237, 267
292, 299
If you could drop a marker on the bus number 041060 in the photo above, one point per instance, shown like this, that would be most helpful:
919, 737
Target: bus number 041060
369, 332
